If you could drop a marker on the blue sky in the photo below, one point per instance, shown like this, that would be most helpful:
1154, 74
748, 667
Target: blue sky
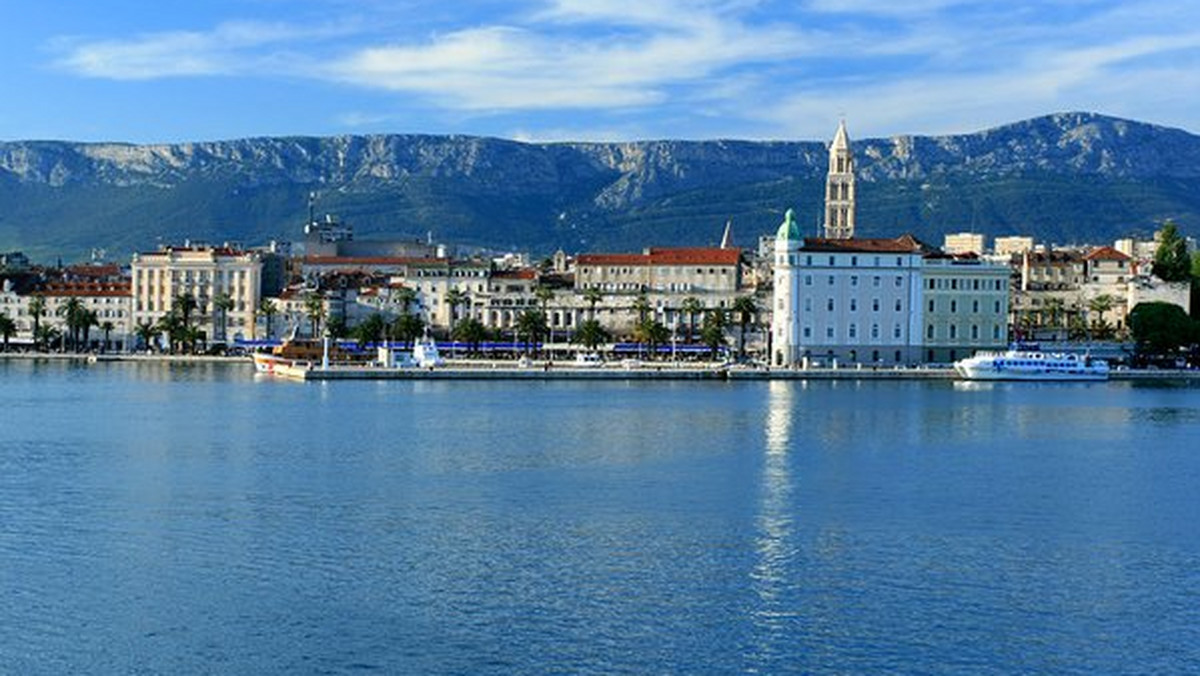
547, 70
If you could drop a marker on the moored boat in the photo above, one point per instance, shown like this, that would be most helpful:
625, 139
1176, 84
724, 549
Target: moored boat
1027, 362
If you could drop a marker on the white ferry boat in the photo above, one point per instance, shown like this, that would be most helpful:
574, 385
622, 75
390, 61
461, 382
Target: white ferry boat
1026, 362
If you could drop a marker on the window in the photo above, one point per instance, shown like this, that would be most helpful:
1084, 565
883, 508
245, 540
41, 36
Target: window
929, 331
875, 304
854, 305
875, 332
829, 332
953, 306
829, 304
953, 331
974, 306
830, 280
854, 261
954, 284
875, 282
898, 305
853, 330
831, 261
853, 280
974, 332
896, 332
808, 260
899, 281
931, 305
808, 305
997, 308
808, 332
807, 280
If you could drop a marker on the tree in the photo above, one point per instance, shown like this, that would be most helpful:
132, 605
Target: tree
146, 331
37, 309
652, 334
72, 312
544, 295
407, 297
531, 324
223, 302
1171, 261
407, 328
713, 331
172, 324
470, 331
8, 329
314, 309
336, 328
1101, 304
591, 334
593, 296
746, 310
268, 310
692, 307
642, 306
88, 319
1161, 328
370, 330
46, 335
456, 298
185, 305
107, 327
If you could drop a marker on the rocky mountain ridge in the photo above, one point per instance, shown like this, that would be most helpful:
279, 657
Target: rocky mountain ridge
1061, 177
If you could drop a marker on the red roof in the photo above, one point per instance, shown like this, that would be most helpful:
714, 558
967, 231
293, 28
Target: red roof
87, 289
1106, 253
527, 273
661, 256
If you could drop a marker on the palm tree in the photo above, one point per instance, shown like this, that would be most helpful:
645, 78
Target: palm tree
470, 331
746, 310
455, 298
72, 312
268, 309
184, 304
713, 331
8, 329
146, 331
590, 334
406, 296
37, 309
314, 308
531, 324
46, 335
407, 328
223, 302
1101, 304
107, 327
593, 296
88, 319
692, 307
370, 330
172, 325
642, 306
652, 334
545, 294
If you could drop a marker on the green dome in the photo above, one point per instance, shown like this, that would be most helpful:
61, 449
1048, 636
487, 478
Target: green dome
788, 230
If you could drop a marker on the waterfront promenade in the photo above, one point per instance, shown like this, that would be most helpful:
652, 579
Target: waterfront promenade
469, 369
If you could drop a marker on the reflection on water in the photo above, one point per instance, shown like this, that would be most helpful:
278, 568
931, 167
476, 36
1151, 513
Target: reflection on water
175, 520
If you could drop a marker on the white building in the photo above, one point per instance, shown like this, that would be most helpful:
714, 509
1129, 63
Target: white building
1007, 246
963, 243
204, 273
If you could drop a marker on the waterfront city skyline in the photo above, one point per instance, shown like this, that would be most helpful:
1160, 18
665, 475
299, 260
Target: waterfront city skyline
567, 69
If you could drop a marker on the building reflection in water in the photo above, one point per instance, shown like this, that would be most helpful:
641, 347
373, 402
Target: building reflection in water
775, 544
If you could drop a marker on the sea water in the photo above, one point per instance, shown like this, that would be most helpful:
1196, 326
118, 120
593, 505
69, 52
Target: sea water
167, 519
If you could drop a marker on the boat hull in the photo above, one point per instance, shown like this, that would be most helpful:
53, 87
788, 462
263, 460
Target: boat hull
988, 373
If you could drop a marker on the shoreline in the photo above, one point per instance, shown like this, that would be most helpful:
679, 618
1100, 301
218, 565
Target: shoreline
539, 370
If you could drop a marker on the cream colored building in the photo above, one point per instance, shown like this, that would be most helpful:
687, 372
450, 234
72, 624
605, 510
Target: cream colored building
964, 242
1016, 244
202, 272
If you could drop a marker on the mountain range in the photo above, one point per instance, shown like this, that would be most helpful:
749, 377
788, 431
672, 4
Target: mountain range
1063, 178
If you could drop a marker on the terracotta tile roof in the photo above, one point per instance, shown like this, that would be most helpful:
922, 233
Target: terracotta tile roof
663, 256
901, 244
1105, 253
515, 274
87, 289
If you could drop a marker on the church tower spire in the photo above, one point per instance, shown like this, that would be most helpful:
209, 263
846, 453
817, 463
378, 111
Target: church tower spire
839, 187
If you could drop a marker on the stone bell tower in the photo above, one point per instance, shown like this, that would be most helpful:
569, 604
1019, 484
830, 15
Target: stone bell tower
839, 188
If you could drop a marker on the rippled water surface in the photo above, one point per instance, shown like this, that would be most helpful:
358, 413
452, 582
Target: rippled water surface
160, 519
